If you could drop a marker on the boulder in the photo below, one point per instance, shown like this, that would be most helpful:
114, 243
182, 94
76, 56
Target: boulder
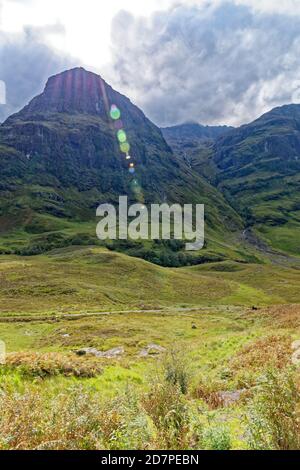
152, 350
110, 354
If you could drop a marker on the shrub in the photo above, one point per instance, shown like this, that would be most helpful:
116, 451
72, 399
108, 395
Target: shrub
273, 419
271, 351
176, 370
167, 408
49, 364
124, 424
75, 419
32, 420
209, 393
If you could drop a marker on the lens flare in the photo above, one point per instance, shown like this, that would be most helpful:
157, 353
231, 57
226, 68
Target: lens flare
125, 147
115, 113
122, 138
118, 125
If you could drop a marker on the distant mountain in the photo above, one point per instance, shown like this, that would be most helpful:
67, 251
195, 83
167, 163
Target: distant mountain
189, 138
192, 131
60, 158
257, 167
193, 143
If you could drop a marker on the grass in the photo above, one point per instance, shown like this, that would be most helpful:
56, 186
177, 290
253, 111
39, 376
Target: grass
89, 279
284, 237
161, 403
217, 328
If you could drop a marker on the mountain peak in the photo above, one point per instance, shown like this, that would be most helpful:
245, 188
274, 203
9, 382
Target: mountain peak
76, 74
72, 91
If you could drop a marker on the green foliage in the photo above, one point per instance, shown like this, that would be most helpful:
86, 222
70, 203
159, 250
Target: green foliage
169, 412
176, 370
257, 169
216, 437
274, 419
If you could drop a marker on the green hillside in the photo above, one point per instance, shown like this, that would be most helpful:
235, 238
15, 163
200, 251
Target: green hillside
257, 168
87, 279
259, 173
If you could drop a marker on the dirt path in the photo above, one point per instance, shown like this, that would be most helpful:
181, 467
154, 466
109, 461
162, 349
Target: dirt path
78, 316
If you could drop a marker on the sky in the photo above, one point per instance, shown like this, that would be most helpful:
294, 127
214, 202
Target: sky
213, 62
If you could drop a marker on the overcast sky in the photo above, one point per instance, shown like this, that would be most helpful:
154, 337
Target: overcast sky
215, 62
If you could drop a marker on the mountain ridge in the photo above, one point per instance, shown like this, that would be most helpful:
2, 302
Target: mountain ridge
60, 158
256, 167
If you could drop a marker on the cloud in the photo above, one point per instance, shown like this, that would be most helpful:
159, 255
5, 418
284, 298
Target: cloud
289, 7
211, 61
26, 63
219, 62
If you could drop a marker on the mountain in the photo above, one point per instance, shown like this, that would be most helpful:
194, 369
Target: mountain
190, 139
194, 132
60, 158
65, 153
66, 138
257, 168
193, 142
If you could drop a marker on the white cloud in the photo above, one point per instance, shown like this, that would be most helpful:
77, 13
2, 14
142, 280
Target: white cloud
289, 7
87, 23
225, 63
26, 63
2, 92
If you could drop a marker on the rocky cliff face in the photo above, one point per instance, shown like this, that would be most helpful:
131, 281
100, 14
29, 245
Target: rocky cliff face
77, 98
67, 133
73, 91
275, 135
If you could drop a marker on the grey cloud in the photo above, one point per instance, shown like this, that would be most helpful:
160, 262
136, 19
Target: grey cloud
213, 64
26, 61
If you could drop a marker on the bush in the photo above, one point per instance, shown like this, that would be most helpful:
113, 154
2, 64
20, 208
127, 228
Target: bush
31, 420
38, 415
124, 424
50, 364
273, 419
167, 408
270, 351
75, 419
209, 392
176, 370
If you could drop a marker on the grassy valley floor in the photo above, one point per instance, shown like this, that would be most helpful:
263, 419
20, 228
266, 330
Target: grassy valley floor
198, 358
